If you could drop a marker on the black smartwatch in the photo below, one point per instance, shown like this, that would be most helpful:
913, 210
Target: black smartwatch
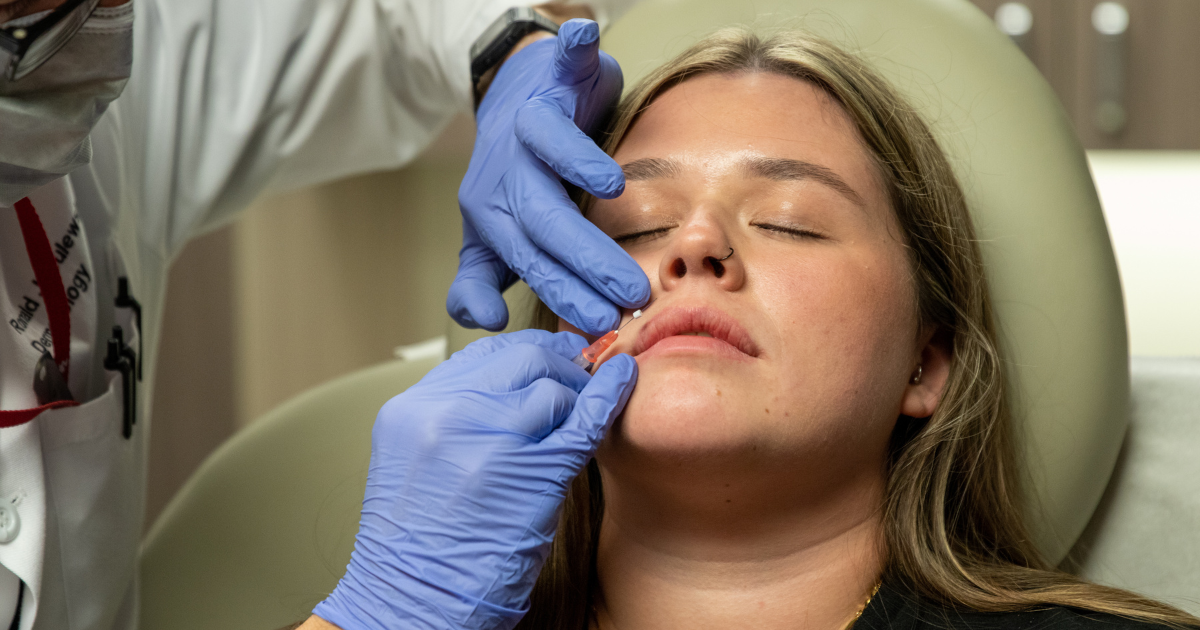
491, 47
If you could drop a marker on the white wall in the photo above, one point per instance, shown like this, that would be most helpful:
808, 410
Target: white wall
1152, 202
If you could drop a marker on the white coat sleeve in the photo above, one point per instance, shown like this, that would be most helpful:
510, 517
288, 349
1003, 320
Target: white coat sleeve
230, 97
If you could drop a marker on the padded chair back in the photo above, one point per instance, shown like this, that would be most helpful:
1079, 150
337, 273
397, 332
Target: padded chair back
263, 531
1145, 534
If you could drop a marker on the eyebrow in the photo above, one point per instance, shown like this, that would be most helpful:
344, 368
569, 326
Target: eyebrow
776, 169
651, 168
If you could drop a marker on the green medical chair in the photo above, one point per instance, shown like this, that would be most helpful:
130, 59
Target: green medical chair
264, 529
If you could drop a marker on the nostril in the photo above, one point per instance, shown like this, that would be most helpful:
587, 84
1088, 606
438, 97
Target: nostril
680, 268
718, 267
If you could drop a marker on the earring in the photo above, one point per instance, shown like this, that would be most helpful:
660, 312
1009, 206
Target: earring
916, 378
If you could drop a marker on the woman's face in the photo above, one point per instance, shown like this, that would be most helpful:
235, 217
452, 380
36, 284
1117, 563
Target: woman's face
802, 341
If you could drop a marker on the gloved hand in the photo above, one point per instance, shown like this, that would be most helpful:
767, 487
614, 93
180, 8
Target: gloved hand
516, 214
469, 469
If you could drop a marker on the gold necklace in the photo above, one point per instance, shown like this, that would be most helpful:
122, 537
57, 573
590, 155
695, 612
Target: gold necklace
863, 608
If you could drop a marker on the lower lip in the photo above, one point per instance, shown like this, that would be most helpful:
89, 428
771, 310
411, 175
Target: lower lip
694, 345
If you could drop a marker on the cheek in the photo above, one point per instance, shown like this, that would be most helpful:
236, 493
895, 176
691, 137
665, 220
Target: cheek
847, 325
650, 259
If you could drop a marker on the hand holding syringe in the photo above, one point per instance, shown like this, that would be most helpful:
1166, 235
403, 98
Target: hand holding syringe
587, 358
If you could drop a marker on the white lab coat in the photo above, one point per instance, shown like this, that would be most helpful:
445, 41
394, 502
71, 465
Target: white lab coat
227, 98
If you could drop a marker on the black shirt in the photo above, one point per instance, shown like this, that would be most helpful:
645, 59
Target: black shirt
896, 608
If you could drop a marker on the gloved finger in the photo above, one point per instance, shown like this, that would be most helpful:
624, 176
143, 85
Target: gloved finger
545, 129
565, 344
515, 367
600, 402
559, 287
577, 55
570, 297
475, 299
553, 223
536, 410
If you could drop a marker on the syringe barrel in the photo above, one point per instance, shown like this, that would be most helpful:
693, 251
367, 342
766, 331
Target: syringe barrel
593, 352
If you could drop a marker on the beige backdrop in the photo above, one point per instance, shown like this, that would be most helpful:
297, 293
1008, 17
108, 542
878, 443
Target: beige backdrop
306, 286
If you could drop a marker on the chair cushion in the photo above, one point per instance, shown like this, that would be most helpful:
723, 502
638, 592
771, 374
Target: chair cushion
263, 530
1145, 535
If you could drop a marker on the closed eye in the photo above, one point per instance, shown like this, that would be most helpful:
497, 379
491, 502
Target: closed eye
641, 236
794, 232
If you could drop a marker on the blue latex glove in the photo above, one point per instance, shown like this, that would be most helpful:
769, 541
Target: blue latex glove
469, 469
516, 214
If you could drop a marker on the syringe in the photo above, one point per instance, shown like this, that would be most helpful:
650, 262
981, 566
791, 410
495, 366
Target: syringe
587, 358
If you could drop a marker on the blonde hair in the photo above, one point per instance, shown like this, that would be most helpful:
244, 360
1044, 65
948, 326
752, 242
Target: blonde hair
954, 522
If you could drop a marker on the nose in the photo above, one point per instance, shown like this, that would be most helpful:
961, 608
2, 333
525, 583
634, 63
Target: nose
701, 252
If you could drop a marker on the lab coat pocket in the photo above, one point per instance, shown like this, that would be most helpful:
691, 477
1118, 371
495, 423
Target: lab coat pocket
87, 422
95, 481
95, 419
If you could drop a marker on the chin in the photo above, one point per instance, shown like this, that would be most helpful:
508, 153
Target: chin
677, 413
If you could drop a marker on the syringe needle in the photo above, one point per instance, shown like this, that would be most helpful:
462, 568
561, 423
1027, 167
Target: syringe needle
636, 314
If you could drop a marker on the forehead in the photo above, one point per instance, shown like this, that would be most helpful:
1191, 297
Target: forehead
711, 122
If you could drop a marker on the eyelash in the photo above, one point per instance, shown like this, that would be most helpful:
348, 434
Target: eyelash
638, 237
789, 231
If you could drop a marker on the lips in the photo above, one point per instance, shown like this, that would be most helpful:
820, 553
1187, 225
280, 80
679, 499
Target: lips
706, 321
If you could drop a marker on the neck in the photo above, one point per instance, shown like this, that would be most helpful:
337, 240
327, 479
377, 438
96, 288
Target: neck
713, 550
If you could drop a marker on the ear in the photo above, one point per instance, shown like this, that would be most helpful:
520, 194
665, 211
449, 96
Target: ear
933, 355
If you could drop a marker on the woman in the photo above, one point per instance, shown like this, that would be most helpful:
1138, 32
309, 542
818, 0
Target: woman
819, 429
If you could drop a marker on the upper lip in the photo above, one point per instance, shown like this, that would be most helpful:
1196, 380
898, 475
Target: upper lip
678, 320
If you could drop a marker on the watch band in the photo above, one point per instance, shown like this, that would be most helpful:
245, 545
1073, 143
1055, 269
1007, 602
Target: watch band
494, 44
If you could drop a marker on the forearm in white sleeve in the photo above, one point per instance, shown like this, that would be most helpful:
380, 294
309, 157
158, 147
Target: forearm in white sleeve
230, 96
